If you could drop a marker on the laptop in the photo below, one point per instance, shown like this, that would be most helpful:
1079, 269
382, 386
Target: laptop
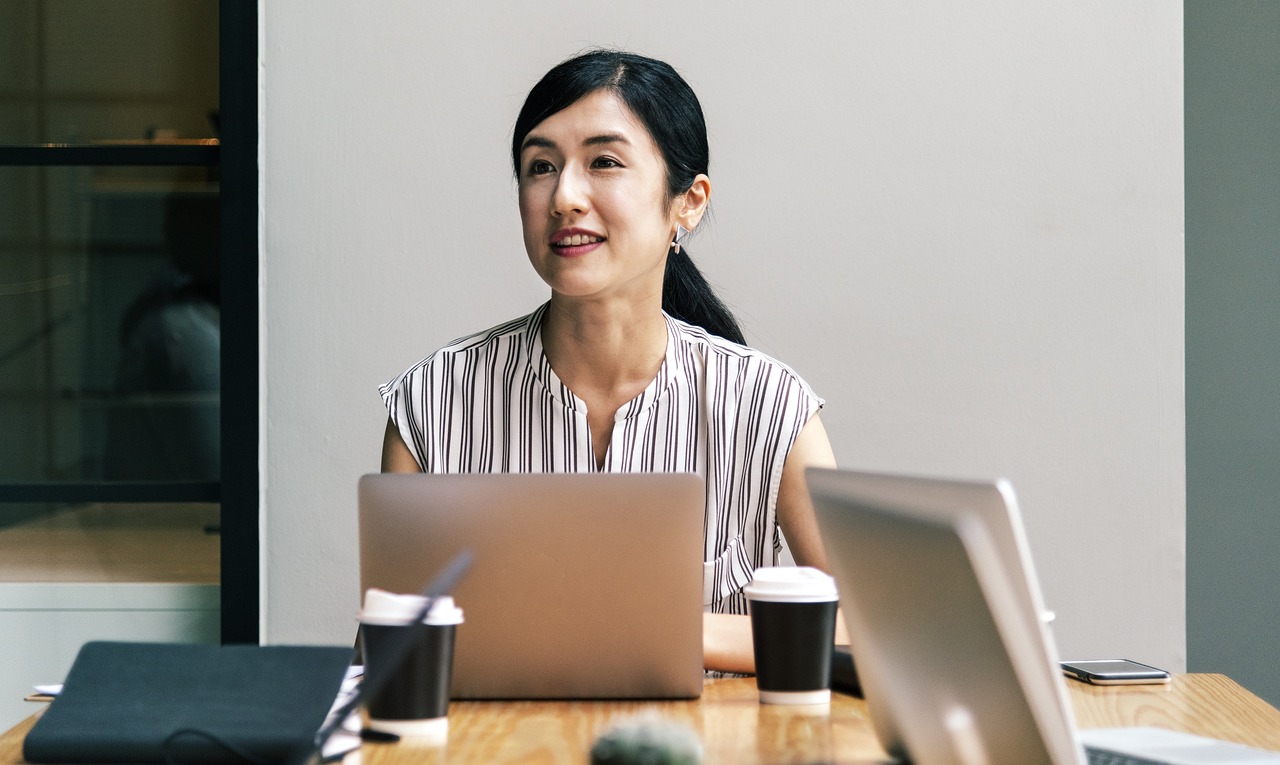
582, 586
948, 633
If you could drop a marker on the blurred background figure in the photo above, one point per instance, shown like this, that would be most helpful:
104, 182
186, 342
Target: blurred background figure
166, 427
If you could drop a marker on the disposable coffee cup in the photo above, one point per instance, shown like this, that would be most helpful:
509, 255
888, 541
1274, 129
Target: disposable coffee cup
793, 626
414, 701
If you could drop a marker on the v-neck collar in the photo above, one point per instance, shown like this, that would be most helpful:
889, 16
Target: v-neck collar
669, 371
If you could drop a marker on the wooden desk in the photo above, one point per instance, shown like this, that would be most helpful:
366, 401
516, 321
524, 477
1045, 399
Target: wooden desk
735, 728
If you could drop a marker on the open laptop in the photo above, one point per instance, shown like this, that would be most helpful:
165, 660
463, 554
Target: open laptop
581, 586
946, 627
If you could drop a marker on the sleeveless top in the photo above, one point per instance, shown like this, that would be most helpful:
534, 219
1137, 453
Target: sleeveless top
490, 402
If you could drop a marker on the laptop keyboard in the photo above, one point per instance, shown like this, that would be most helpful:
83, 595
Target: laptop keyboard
1106, 757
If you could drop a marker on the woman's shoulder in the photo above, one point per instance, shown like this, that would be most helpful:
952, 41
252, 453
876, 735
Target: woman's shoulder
726, 352
740, 379
477, 345
513, 329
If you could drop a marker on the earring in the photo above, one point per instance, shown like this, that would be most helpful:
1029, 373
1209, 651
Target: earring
681, 232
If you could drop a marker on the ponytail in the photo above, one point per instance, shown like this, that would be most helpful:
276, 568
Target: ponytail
687, 296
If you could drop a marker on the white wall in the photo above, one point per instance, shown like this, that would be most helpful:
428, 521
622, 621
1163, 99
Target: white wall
962, 223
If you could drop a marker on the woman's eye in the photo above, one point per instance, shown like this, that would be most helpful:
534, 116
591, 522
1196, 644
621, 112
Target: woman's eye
540, 167
606, 163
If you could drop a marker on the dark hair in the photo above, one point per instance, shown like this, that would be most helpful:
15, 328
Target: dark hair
670, 111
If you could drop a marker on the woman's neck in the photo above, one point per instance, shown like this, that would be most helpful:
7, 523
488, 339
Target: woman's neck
604, 348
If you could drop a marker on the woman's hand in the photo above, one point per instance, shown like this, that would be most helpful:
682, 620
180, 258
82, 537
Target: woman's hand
727, 646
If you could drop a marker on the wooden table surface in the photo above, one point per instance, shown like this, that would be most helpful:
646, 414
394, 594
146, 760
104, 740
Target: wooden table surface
735, 728
1210, 705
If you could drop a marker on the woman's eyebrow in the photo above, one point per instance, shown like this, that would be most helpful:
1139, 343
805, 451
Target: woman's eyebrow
535, 140
595, 140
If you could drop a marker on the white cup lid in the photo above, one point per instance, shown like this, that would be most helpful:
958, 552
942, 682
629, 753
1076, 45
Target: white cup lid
791, 584
389, 608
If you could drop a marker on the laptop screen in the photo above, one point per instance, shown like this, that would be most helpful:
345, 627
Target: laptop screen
943, 618
582, 586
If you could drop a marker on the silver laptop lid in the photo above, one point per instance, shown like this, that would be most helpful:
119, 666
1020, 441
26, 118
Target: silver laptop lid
582, 585
944, 618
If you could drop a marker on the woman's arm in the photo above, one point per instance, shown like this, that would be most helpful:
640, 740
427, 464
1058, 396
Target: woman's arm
396, 457
726, 643
726, 638
795, 509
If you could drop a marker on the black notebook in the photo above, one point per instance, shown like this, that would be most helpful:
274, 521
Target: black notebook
182, 703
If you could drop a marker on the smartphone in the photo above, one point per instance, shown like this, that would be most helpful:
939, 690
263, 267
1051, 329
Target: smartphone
1114, 672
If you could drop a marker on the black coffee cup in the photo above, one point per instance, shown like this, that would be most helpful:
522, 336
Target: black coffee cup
793, 624
415, 700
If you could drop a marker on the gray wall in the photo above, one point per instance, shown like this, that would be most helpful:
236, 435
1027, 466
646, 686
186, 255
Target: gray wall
961, 222
1233, 340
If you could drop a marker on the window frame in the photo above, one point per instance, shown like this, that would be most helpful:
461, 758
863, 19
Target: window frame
236, 157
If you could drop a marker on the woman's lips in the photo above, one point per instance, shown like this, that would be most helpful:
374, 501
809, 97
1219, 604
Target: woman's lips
574, 250
574, 242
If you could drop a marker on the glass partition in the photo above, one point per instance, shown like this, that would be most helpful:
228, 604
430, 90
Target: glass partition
114, 191
109, 324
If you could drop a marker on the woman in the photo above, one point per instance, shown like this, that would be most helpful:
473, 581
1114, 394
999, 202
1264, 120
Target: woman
633, 364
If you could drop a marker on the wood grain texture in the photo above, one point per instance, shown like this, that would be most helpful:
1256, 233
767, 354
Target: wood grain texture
1210, 705
735, 728
11, 741
732, 724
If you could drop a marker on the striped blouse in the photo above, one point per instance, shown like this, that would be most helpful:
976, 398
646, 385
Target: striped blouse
490, 402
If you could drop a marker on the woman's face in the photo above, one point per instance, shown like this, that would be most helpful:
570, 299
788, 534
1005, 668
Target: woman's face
593, 201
